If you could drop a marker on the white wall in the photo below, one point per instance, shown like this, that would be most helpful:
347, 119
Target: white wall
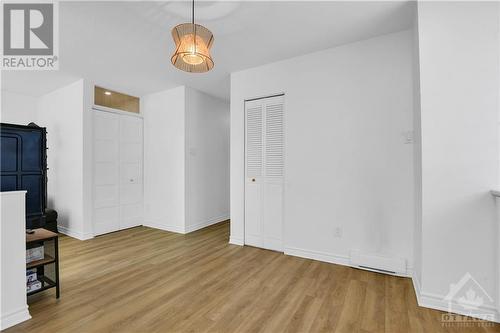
18, 109
346, 163
417, 162
13, 303
61, 112
87, 155
164, 159
186, 160
66, 114
459, 87
207, 159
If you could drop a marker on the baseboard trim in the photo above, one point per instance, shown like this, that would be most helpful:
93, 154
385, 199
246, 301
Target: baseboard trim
416, 288
204, 224
337, 259
14, 317
318, 255
438, 302
74, 234
169, 228
236, 241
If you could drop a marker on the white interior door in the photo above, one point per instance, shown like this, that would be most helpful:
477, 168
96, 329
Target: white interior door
118, 186
106, 172
131, 191
264, 171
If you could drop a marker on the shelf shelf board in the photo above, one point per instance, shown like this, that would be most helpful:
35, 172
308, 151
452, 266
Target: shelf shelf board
46, 284
39, 235
37, 263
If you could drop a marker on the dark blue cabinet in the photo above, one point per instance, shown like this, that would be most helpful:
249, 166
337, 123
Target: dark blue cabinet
24, 167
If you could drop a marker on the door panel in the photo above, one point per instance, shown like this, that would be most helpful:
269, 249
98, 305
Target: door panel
130, 194
131, 215
106, 170
131, 152
106, 173
264, 171
106, 195
131, 157
253, 214
106, 219
118, 159
106, 150
131, 129
273, 215
130, 173
106, 126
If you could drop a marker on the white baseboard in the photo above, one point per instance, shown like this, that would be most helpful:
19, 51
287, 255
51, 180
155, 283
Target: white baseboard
378, 262
236, 241
338, 259
165, 227
204, 224
317, 255
14, 317
75, 234
416, 288
409, 270
438, 302
186, 229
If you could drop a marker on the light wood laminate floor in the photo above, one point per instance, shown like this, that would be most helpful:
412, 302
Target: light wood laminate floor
147, 280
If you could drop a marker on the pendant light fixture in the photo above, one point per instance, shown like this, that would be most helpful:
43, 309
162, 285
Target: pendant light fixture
192, 47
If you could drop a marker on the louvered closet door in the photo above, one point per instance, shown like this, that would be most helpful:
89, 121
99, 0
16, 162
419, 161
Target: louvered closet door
264, 145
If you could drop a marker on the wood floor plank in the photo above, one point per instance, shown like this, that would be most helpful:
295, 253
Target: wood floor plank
147, 280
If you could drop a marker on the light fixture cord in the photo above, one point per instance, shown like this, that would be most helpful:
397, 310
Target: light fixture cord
194, 28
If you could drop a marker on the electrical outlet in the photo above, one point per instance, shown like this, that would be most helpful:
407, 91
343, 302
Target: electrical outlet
337, 232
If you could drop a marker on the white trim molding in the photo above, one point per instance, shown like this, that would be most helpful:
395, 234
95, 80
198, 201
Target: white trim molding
117, 111
332, 258
204, 224
74, 234
236, 241
438, 302
14, 317
170, 228
317, 255
186, 229
13, 307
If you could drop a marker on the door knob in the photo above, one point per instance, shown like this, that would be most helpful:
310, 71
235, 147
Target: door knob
253, 179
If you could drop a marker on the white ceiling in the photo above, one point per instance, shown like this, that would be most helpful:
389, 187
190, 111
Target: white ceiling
127, 45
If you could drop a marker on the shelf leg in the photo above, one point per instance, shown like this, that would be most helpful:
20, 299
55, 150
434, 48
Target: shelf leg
56, 246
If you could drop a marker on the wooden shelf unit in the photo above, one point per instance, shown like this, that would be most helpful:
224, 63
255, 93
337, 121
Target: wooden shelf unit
41, 236
45, 261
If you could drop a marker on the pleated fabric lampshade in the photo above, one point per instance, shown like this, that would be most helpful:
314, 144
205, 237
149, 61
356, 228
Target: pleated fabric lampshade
192, 48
